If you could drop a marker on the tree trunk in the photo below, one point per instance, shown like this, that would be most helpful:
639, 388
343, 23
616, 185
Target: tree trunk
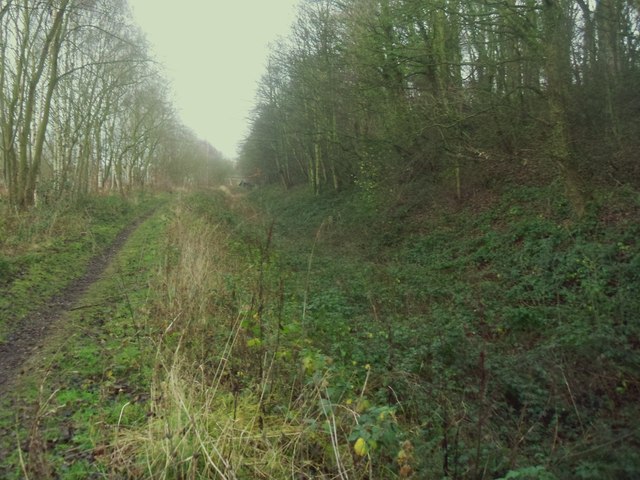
558, 67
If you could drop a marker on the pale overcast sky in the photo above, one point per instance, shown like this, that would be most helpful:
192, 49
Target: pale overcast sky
214, 52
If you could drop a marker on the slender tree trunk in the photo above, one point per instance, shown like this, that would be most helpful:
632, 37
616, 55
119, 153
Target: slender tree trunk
29, 168
558, 67
59, 27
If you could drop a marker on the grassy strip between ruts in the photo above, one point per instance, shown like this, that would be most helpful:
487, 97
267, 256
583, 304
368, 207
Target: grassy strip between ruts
91, 377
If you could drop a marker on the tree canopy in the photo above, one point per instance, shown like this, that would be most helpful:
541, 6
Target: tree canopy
455, 92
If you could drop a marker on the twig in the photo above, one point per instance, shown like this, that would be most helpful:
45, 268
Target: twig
573, 401
309, 263
333, 429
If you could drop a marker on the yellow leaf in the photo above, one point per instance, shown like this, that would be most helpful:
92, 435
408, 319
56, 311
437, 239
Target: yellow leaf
402, 457
307, 363
362, 405
360, 447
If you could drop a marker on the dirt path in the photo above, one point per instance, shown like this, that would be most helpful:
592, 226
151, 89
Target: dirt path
34, 329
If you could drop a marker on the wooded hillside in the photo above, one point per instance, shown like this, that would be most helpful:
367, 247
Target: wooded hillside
465, 94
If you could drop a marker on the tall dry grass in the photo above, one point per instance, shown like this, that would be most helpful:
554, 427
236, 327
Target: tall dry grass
225, 403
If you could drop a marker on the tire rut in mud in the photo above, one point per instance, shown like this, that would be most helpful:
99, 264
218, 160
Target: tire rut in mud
33, 330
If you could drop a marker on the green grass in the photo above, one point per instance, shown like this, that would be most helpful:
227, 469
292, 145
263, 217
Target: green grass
92, 377
389, 336
44, 250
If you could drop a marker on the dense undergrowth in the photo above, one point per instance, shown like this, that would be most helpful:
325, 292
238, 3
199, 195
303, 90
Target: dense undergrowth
362, 335
371, 336
502, 334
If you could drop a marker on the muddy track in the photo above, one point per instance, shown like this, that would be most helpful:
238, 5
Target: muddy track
33, 330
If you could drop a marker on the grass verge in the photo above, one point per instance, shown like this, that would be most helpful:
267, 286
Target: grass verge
45, 249
92, 377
